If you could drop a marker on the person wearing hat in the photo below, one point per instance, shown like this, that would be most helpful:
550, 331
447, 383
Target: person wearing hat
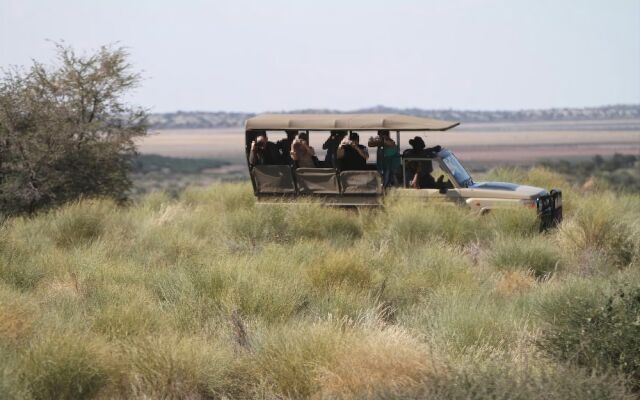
418, 173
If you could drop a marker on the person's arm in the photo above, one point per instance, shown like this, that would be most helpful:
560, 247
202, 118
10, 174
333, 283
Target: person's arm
363, 154
340, 152
435, 149
389, 142
253, 157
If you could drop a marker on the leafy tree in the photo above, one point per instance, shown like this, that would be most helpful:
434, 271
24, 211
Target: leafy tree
66, 131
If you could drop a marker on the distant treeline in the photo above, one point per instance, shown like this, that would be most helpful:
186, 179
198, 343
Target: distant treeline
146, 163
221, 119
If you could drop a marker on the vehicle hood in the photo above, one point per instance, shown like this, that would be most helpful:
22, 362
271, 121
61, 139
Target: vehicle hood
511, 190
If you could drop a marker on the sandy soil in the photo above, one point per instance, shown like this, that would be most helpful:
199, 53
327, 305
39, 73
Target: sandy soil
491, 143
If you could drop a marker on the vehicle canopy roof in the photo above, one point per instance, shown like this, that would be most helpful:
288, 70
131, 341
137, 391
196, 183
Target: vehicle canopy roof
359, 122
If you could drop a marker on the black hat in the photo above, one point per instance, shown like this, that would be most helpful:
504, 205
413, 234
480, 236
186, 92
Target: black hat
417, 143
354, 136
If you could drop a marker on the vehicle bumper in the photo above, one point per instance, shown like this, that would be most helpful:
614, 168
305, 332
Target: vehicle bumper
550, 209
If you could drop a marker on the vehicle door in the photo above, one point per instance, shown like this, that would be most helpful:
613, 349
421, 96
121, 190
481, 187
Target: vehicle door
441, 189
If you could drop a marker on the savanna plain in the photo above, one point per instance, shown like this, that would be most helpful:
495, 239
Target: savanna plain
209, 295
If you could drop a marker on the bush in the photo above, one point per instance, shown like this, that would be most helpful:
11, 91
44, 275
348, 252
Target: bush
604, 224
504, 380
63, 367
410, 221
65, 132
514, 221
80, 223
601, 332
178, 368
530, 254
315, 221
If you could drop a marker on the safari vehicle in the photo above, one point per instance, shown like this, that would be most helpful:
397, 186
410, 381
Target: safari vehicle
364, 187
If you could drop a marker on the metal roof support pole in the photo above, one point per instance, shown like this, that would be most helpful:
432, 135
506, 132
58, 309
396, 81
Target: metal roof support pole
398, 140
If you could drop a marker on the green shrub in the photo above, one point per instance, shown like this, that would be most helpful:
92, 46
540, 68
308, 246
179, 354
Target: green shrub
289, 357
513, 221
504, 380
346, 268
409, 221
247, 228
602, 223
81, 222
63, 367
178, 368
595, 331
535, 254
314, 221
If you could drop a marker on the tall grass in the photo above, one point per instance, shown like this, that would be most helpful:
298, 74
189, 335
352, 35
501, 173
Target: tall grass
210, 295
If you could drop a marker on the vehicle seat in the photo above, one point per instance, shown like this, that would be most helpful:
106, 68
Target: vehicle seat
317, 181
273, 179
361, 182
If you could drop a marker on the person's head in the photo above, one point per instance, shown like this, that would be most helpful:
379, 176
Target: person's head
338, 134
291, 134
303, 136
261, 134
261, 142
417, 143
354, 137
384, 133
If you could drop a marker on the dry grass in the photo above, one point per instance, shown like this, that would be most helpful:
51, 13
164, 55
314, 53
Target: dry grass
211, 296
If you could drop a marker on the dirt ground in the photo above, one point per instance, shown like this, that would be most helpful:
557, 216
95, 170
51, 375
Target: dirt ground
488, 144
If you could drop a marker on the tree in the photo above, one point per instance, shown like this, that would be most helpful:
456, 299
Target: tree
65, 131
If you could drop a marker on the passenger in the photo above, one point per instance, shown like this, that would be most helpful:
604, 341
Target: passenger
351, 155
418, 173
284, 146
302, 154
331, 146
388, 157
264, 152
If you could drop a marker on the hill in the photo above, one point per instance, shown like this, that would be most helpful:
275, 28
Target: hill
220, 119
210, 296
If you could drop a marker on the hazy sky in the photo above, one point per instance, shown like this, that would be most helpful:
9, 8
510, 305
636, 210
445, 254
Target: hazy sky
279, 55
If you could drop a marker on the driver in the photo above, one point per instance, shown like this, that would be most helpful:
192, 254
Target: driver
418, 173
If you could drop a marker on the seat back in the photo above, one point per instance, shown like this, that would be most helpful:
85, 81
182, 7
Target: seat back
361, 182
273, 179
317, 181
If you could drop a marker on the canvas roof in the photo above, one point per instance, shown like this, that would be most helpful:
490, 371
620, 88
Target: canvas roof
356, 122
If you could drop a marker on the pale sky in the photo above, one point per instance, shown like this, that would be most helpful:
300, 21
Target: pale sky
281, 55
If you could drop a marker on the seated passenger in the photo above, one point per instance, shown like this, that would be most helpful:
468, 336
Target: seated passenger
331, 146
419, 172
352, 156
263, 152
302, 154
284, 146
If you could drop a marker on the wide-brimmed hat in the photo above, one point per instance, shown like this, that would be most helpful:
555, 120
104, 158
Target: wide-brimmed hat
417, 143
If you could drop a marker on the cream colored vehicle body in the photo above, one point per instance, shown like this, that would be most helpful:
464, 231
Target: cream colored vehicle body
459, 188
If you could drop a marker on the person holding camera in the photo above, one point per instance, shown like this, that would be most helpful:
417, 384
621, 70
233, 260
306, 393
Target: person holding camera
302, 154
331, 146
388, 157
263, 152
284, 146
352, 156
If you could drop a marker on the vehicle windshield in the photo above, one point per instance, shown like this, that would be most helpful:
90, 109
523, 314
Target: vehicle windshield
459, 173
